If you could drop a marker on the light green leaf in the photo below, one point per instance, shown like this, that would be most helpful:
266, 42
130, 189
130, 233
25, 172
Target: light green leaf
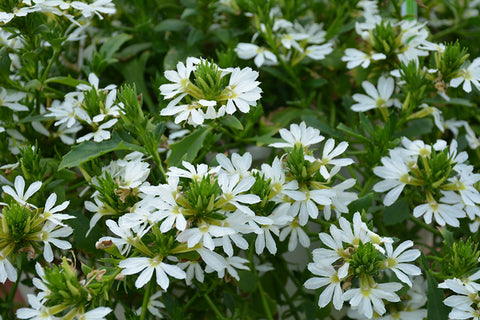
68, 81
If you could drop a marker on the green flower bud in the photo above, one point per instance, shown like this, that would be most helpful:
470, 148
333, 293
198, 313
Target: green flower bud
365, 260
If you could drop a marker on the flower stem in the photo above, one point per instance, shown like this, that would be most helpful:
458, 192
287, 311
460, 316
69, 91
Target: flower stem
264, 301
146, 299
214, 308
411, 9
425, 226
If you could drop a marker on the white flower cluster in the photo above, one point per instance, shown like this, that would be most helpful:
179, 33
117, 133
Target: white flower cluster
355, 266
294, 41
46, 225
100, 112
439, 173
411, 39
315, 175
465, 301
203, 209
209, 95
39, 308
60, 8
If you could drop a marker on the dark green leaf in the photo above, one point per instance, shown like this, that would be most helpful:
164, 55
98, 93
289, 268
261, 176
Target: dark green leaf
89, 150
111, 46
417, 128
187, 148
4, 64
364, 203
171, 25
248, 281
436, 310
397, 212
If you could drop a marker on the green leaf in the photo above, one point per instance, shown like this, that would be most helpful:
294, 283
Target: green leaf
68, 81
80, 226
416, 128
4, 65
248, 281
448, 237
232, 122
133, 50
39, 117
397, 212
111, 46
364, 203
436, 310
188, 148
89, 150
171, 25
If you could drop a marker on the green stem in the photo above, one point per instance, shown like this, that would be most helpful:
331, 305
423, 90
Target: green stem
425, 226
264, 301
288, 299
56, 53
214, 308
146, 299
411, 10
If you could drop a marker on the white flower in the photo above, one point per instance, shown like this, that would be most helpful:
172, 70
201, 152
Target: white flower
232, 263
154, 305
396, 175
355, 58
278, 184
239, 165
50, 212
261, 54
359, 233
146, 266
37, 311
363, 298
50, 234
126, 236
341, 200
332, 279
18, 194
242, 90
94, 81
232, 187
468, 76
442, 213
95, 314
377, 98
308, 207
180, 78
334, 242
101, 134
7, 271
328, 155
6, 17
396, 261
195, 173
296, 235
97, 7
192, 112
11, 100
298, 135
203, 234
318, 52
193, 269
